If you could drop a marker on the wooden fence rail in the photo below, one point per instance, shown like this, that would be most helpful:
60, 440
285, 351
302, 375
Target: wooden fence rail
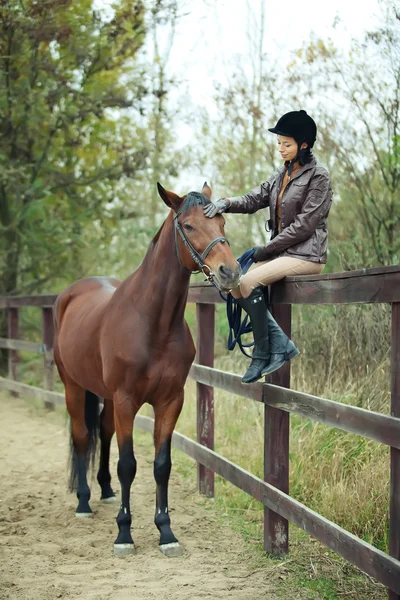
365, 286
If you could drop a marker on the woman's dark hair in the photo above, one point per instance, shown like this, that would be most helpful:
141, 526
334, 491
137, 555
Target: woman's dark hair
305, 155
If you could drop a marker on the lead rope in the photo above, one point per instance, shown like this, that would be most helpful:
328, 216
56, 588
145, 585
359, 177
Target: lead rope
237, 326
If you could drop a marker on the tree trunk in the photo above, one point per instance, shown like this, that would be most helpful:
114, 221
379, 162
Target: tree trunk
8, 286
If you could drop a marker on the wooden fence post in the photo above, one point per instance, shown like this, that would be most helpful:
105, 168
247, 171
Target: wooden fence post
205, 394
394, 526
13, 355
48, 342
276, 448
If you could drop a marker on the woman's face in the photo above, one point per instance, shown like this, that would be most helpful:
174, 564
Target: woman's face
287, 147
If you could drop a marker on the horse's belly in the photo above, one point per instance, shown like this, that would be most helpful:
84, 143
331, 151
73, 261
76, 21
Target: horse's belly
78, 348
83, 368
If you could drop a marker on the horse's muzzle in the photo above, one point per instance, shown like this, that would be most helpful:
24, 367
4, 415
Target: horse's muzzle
227, 279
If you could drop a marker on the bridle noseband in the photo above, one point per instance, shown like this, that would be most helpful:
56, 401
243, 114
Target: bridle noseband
197, 257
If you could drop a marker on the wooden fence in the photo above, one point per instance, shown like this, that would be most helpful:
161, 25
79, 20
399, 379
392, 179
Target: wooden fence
365, 286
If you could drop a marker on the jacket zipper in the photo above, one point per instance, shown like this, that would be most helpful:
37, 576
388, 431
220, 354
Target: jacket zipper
290, 179
283, 195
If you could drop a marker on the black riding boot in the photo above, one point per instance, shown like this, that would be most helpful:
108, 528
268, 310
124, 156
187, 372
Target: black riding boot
256, 308
281, 347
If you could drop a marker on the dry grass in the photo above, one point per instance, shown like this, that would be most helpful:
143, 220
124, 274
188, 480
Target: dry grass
344, 357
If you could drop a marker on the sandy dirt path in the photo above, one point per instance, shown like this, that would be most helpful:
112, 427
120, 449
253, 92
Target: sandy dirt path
47, 553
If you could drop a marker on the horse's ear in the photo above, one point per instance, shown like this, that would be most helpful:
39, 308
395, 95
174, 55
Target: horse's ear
172, 200
206, 190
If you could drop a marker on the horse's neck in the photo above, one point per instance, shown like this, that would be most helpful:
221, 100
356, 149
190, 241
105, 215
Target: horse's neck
161, 284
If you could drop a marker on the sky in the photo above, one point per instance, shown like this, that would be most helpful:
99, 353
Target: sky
213, 34
212, 37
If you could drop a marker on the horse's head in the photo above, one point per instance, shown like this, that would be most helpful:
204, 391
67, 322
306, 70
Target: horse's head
200, 242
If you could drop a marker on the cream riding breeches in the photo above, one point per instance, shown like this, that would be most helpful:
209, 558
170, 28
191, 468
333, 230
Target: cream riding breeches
267, 272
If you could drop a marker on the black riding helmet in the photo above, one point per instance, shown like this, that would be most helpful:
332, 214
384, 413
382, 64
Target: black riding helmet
298, 125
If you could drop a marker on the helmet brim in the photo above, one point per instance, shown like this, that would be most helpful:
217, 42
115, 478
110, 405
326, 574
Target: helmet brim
280, 132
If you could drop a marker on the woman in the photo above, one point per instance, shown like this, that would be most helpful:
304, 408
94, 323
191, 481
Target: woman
299, 196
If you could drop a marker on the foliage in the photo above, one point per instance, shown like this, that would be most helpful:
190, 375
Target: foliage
242, 151
358, 110
354, 96
65, 69
137, 207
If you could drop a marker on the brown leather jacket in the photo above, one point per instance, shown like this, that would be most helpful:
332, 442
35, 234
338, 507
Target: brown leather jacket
305, 205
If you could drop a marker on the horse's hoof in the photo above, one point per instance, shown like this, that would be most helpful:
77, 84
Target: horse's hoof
171, 550
109, 500
83, 515
124, 549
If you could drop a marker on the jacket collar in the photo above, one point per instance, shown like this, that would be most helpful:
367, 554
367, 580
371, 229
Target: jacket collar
300, 171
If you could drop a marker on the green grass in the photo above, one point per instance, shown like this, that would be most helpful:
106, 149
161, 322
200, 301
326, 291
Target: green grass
324, 587
310, 568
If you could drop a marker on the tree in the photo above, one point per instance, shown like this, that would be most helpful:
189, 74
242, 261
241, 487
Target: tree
66, 70
242, 151
137, 205
358, 110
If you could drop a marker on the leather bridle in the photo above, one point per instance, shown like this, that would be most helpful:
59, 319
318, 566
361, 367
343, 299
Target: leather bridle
196, 256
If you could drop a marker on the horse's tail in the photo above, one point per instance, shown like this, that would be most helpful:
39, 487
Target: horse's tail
92, 421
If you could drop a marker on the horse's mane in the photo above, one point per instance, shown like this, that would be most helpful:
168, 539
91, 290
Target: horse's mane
193, 199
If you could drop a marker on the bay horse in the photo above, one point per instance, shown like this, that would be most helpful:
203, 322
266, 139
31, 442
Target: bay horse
128, 343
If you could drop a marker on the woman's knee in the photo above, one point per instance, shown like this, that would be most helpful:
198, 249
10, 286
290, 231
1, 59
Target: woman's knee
236, 293
247, 285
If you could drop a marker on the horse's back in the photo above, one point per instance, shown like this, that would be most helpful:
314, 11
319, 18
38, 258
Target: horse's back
84, 295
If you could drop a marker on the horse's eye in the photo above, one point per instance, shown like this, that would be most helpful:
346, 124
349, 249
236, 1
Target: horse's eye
188, 227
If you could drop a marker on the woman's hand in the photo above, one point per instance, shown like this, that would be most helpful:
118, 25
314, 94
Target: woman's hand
261, 253
216, 208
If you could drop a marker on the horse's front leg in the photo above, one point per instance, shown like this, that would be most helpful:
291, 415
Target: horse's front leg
124, 414
166, 416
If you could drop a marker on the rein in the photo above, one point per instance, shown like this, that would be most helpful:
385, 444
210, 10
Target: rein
237, 325
197, 257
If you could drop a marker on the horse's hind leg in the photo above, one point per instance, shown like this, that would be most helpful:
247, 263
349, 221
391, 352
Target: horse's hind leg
83, 408
106, 432
166, 417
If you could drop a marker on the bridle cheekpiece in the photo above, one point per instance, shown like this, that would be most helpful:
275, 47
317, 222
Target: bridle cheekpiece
196, 256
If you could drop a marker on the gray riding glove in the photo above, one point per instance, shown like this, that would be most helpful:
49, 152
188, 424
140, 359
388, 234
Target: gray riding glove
216, 208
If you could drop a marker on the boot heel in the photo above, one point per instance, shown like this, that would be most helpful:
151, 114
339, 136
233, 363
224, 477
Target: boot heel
295, 352
278, 360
